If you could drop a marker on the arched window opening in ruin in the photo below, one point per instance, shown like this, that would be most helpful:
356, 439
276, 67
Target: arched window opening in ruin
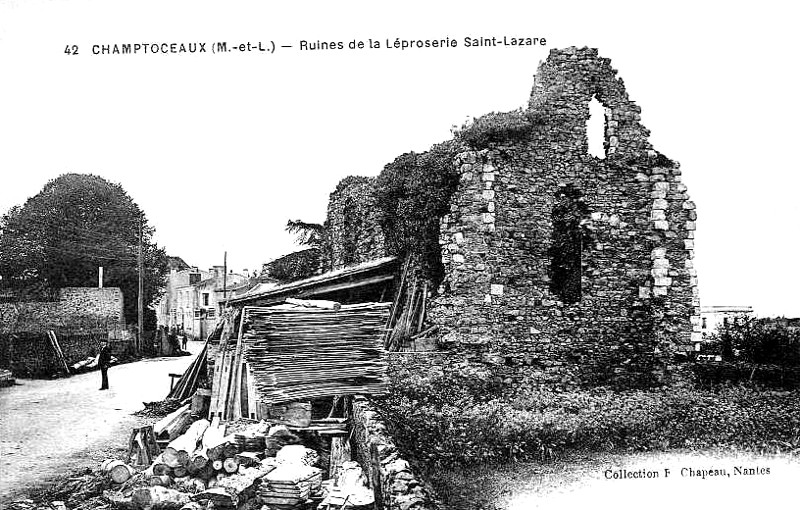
567, 245
596, 129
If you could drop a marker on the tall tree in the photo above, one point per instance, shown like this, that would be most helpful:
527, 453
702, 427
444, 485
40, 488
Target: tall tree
74, 225
309, 234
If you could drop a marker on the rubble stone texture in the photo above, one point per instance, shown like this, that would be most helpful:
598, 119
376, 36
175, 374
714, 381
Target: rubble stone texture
78, 318
76, 307
353, 232
392, 478
637, 283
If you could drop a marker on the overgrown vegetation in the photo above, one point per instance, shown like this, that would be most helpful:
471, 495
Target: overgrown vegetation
452, 418
294, 266
302, 263
713, 374
751, 340
312, 235
413, 193
493, 128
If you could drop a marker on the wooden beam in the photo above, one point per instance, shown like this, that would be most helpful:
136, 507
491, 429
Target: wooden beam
334, 287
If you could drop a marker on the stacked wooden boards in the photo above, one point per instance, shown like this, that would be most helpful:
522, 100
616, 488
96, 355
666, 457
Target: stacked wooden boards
230, 375
303, 354
288, 354
290, 485
407, 319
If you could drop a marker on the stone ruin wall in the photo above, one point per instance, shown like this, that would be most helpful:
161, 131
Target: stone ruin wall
495, 306
638, 282
354, 233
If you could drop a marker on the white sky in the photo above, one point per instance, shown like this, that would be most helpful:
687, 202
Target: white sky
221, 150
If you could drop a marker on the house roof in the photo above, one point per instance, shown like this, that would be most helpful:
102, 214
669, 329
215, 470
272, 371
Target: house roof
216, 282
177, 263
367, 273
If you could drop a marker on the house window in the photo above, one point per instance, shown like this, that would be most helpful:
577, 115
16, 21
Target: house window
705, 322
211, 313
197, 314
194, 278
567, 245
205, 298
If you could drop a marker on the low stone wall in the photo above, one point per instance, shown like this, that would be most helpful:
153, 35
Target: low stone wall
29, 354
77, 308
81, 318
391, 477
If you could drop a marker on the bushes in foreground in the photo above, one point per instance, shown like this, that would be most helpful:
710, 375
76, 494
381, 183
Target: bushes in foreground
713, 374
440, 419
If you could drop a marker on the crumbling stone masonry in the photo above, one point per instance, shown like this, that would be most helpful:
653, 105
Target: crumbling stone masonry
560, 267
392, 478
353, 232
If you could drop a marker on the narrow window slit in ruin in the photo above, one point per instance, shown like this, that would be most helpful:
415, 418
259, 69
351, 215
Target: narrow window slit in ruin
567, 245
596, 129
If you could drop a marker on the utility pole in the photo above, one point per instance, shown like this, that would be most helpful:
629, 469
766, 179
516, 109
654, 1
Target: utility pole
225, 277
140, 264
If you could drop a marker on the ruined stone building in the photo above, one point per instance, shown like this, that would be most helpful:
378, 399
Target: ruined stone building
547, 262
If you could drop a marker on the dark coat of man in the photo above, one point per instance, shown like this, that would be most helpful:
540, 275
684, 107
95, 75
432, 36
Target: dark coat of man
103, 360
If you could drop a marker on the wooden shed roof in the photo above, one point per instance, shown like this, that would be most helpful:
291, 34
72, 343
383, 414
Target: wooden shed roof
361, 275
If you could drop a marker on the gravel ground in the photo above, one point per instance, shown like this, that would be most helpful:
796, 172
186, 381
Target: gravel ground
50, 428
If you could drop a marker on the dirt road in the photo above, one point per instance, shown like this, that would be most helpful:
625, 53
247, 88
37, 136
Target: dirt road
51, 427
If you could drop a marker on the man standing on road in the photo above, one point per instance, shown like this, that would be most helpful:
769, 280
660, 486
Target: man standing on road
104, 359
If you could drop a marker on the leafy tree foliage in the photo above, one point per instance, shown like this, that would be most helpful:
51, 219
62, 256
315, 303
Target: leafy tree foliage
294, 266
309, 234
302, 263
757, 341
75, 224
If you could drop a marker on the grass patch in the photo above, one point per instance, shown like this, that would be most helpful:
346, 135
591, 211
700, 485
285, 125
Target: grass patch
453, 418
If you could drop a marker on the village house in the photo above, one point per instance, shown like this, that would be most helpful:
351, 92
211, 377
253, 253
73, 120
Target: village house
193, 298
712, 317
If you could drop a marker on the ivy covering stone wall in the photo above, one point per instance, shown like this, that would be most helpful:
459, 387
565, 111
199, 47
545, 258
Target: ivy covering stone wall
353, 233
637, 281
606, 296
